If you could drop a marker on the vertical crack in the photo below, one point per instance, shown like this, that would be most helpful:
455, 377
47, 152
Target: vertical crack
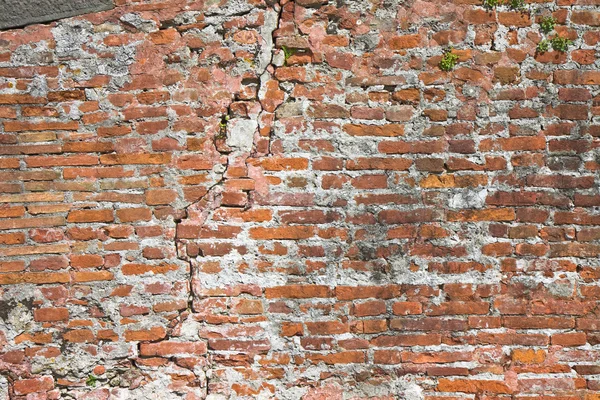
234, 151
266, 56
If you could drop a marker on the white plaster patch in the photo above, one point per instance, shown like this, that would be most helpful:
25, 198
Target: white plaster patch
469, 199
240, 133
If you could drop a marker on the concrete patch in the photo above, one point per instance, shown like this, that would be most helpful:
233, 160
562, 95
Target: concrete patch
240, 133
16, 13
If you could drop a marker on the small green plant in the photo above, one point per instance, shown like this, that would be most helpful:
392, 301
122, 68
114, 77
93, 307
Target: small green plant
491, 4
516, 4
91, 380
560, 43
547, 24
448, 61
543, 46
287, 52
223, 127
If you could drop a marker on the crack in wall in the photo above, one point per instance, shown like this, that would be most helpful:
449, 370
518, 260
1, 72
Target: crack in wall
234, 149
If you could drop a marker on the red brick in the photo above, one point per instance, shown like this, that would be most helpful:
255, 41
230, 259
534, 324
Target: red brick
285, 233
54, 161
326, 327
79, 336
499, 214
365, 292
284, 164
404, 217
172, 348
374, 130
480, 16
569, 339
395, 164
425, 147
34, 277
160, 196
86, 260
344, 357
14, 126
297, 291
515, 18
134, 214
51, 314
35, 385
90, 216
144, 335
369, 308
407, 340
404, 42
134, 159
406, 308
92, 276
586, 18
473, 386
523, 143
21, 99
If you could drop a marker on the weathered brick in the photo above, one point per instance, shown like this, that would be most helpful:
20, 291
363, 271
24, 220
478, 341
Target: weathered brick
404, 42
34, 385
144, 335
18, 126
285, 233
374, 130
298, 291
90, 216
51, 314
171, 348
441, 224
473, 386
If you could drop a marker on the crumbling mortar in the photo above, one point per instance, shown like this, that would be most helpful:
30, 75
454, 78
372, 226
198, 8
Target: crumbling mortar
211, 197
214, 190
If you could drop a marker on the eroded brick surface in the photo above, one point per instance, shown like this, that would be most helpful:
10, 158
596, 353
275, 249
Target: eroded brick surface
262, 199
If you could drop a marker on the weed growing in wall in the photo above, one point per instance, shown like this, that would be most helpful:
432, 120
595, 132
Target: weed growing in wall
543, 46
491, 4
287, 52
223, 127
560, 43
91, 381
518, 5
547, 24
448, 61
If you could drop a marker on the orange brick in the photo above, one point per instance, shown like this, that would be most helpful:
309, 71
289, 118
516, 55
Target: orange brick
85, 216
51, 314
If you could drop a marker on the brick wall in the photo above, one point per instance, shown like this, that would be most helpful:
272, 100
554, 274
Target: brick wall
292, 200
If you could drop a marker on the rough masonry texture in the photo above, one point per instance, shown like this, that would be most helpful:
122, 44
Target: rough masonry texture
252, 199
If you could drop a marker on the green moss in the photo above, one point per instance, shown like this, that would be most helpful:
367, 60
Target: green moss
448, 61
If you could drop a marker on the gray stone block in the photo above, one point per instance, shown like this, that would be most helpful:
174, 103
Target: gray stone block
18, 13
